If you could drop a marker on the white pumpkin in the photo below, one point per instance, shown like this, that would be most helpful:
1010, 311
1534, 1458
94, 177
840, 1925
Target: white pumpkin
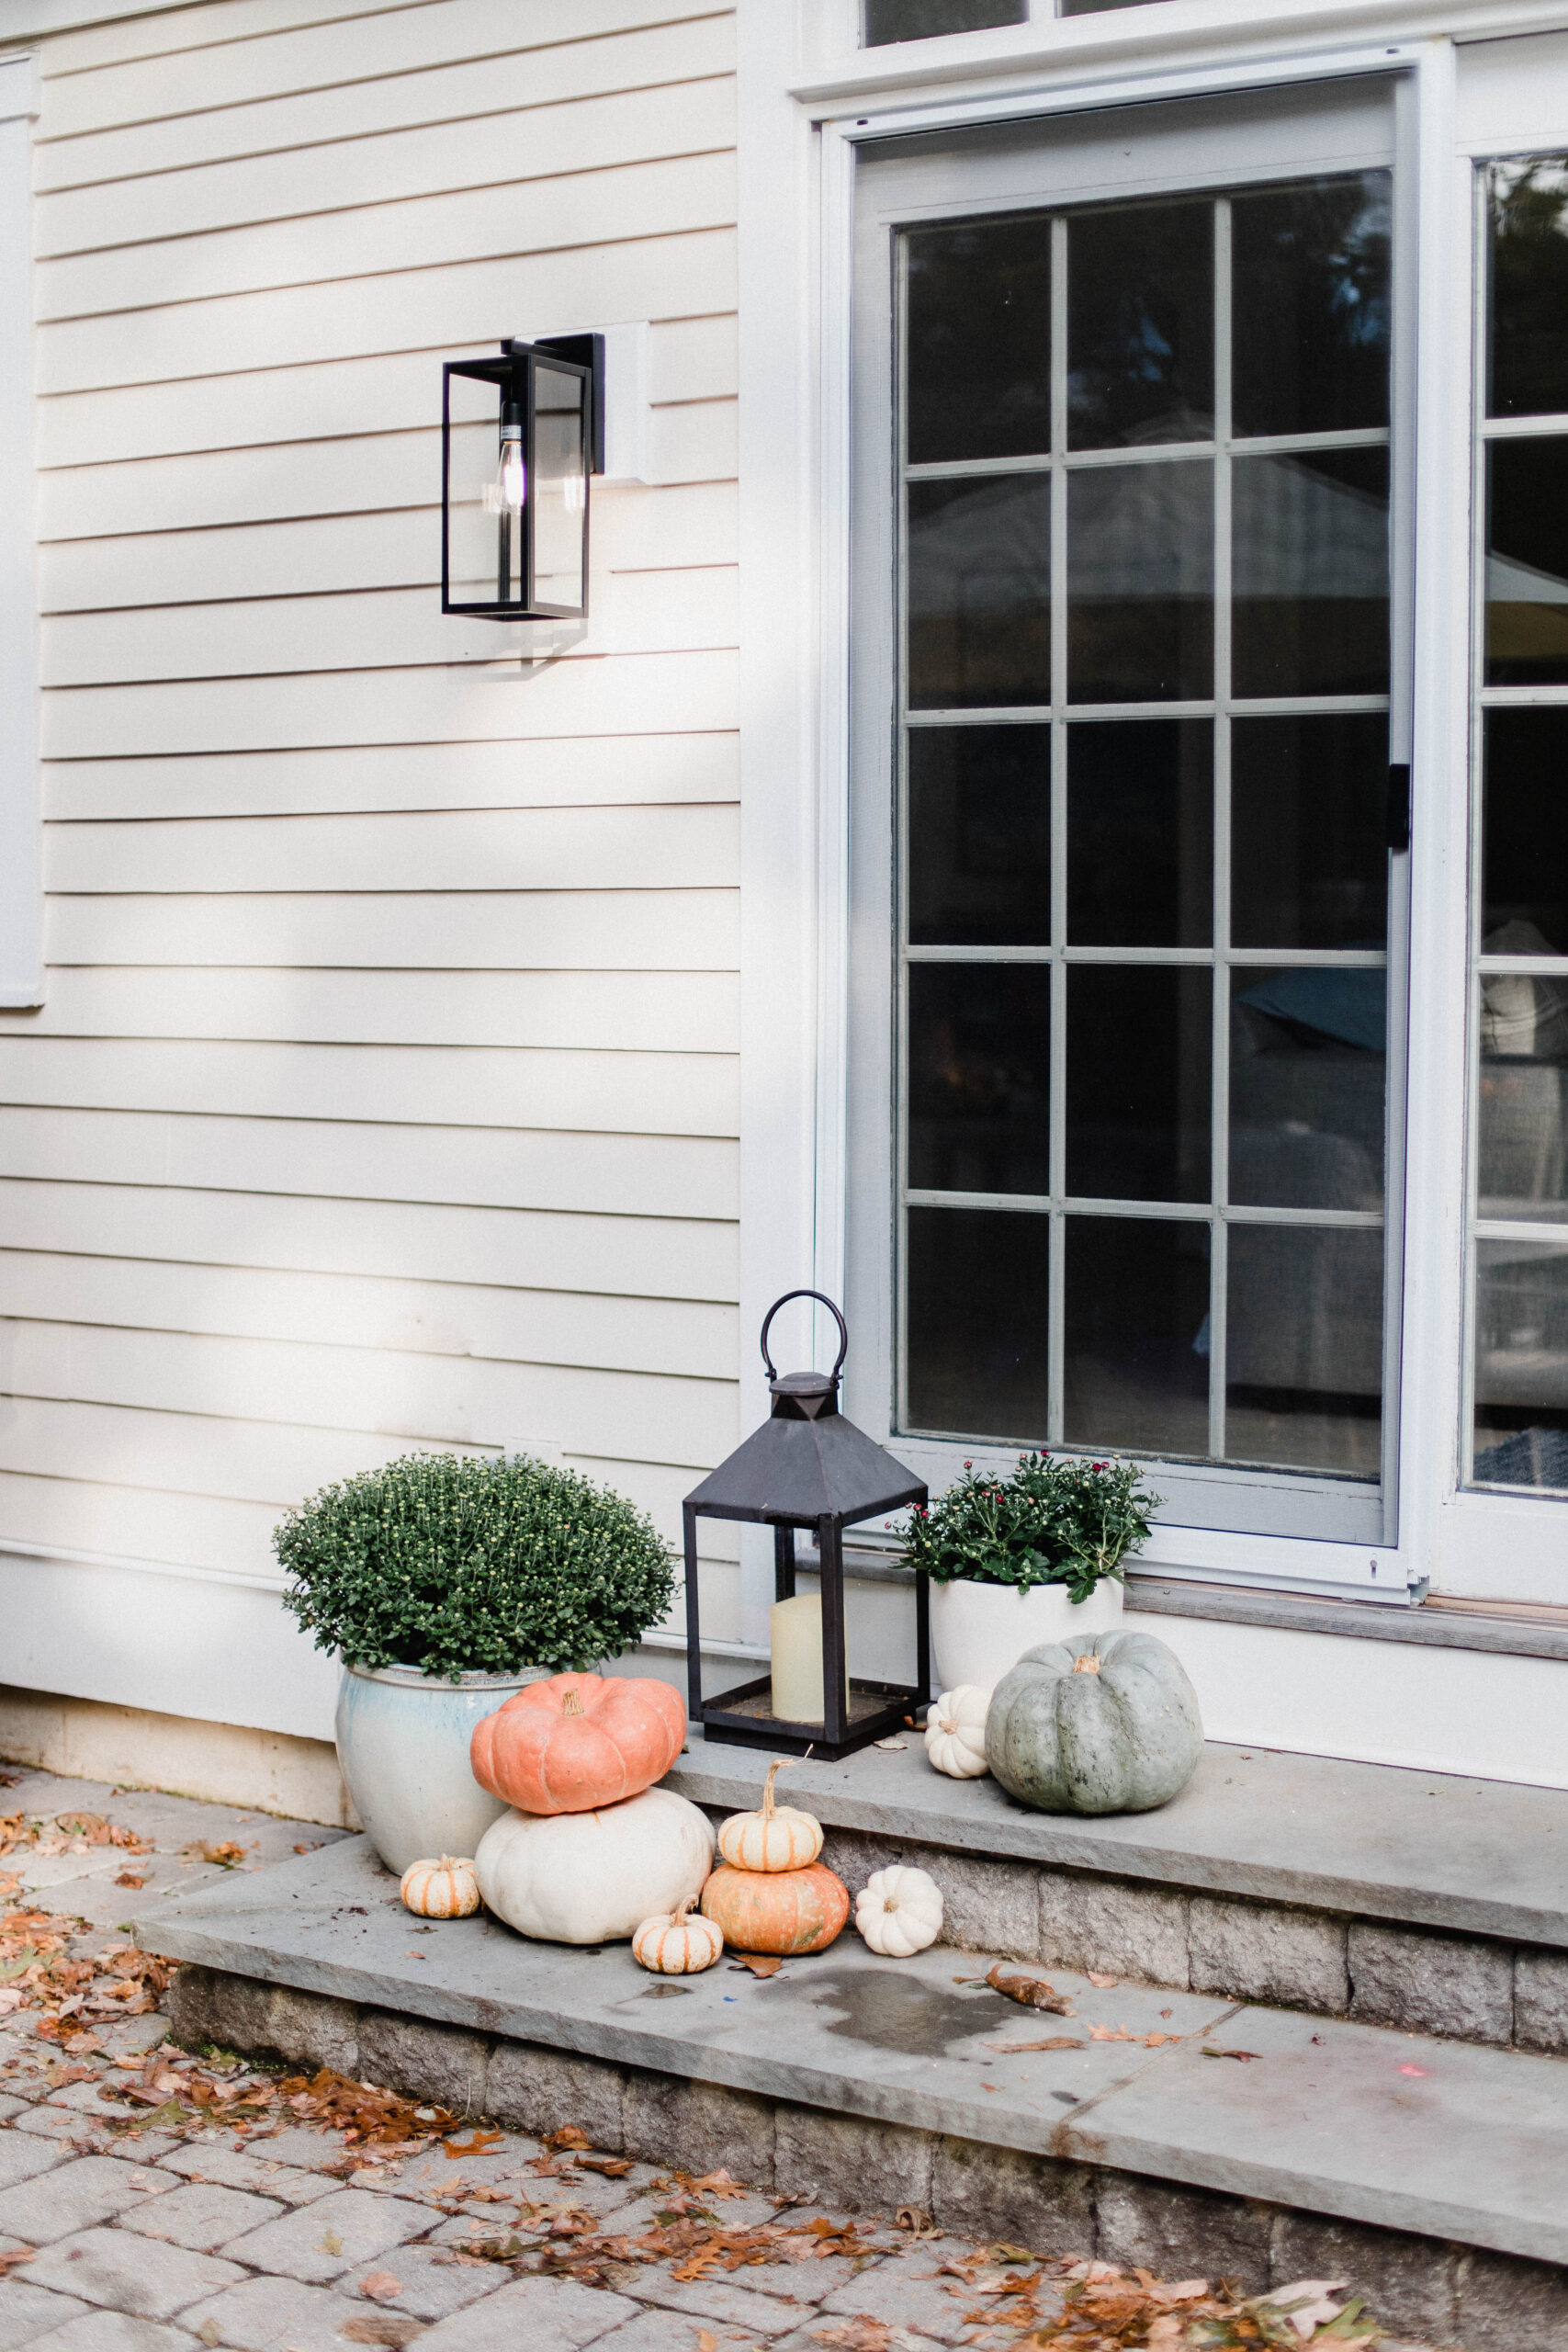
680, 1943
955, 1732
443, 1887
591, 1878
899, 1911
776, 1838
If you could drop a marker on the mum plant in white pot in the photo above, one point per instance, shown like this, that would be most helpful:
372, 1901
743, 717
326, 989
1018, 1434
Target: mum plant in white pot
444, 1585
1033, 1557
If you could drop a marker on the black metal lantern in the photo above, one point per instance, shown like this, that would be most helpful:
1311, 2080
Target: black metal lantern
807, 1467
520, 435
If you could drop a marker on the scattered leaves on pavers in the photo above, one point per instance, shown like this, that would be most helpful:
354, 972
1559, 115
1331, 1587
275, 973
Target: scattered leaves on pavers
67, 1833
225, 1852
1033, 1991
1101, 2307
38, 1967
865, 2335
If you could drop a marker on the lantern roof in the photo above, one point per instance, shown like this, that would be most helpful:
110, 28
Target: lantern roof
807, 1462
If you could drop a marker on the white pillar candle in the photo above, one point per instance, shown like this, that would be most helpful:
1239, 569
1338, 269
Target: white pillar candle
795, 1647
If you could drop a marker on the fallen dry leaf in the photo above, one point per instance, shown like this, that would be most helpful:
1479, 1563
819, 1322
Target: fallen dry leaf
570, 2135
1052, 2041
706, 2340
761, 1964
1242, 2054
378, 2327
480, 2145
1105, 1984
225, 1853
1033, 1991
18, 2253
856, 2335
381, 2286
130, 1878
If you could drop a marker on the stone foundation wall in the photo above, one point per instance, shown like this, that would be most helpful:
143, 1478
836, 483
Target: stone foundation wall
1448, 2294
1422, 1980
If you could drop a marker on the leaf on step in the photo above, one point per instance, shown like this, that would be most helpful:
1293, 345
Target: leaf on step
1105, 1984
1052, 2041
706, 2340
1244, 2055
329, 2241
1033, 1991
129, 1878
612, 2168
381, 2286
380, 2328
18, 2253
478, 2145
889, 1743
570, 2135
225, 1853
761, 1964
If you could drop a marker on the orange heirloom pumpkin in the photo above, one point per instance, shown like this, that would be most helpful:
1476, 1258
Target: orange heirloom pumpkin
578, 1741
781, 1911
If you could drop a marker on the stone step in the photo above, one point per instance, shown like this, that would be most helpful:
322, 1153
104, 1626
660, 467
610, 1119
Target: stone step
1417, 1900
1180, 2130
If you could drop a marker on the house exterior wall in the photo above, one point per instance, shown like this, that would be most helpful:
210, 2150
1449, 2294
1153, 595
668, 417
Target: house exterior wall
383, 1091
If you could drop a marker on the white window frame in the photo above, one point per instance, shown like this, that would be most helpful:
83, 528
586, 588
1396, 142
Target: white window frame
21, 962
805, 107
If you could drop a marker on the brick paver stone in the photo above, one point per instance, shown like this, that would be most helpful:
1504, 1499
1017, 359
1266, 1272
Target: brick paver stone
130, 2273
899, 2291
321, 2241
27, 2312
116, 2332
283, 2315
200, 2215
21, 2158
657, 2332
431, 2284
230, 2169
714, 2298
75, 2196
543, 2314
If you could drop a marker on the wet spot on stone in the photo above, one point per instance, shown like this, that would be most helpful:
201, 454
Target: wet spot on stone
889, 2010
663, 1992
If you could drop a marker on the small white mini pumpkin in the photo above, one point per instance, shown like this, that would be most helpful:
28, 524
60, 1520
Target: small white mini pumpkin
678, 1943
776, 1838
899, 1912
955, 1732
443, 1887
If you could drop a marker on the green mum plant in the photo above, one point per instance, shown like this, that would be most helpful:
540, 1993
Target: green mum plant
1061, 1521
463, 1566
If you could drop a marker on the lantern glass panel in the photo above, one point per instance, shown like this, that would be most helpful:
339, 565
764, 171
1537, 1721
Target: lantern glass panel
560, 489
486, 544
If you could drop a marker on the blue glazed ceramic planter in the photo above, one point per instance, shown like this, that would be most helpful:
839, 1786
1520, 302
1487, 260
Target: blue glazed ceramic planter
403, 1742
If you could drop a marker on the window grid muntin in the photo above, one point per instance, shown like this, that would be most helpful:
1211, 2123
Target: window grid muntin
1222, 707
1484, 698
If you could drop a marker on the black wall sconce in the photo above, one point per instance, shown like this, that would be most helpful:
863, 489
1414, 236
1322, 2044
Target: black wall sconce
520, 436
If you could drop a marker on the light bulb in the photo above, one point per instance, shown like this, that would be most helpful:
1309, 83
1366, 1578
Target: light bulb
512, 481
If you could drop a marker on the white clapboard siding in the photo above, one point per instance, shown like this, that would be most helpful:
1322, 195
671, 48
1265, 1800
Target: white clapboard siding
612, 1013
585, 1329
603, 930
332, 50
628, 848
142, 30
633, 1194
658, 692
580, 772
76, 1513
639, 1259
498, 151
462, 307
633, 612
662, 1418
620, 1092
688, 358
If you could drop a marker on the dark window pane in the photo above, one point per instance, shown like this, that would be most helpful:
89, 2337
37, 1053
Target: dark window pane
980, 836
1307, 1082
979, 1077
1136, 1311
1527, 345
1311, 275
979, 339
1310, 556
1141, 832
1309, 854
1141, 324
1303, 1348
976, 1333
1093, 8
1521, 1364
889, 20
1527, 562
1140, 582
1138, 1083
1523, 1140
1525, 833
980, 591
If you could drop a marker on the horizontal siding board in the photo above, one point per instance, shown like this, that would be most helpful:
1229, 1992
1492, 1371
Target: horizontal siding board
646, 1212
454, 92
382, 1391
445, 311
688, 359
659, 693
336, 52
692, 1094
606, 1012
661, 199
75, 1512
477, 849
496, 150
453, 931
586, 1330
636, 1261
128, 33
560, 772
636, 612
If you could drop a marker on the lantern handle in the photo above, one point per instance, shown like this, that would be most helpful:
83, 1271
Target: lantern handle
824, 1300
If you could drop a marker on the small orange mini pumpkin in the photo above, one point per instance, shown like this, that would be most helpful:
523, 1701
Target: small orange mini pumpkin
674, 1943
779, 1911
443, 1887
776, 1838
578, 1741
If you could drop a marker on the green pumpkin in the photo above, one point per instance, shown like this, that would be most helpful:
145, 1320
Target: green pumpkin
1107, 1724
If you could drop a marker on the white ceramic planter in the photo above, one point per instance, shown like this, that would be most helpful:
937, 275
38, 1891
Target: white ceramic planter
403, 1742
980, 1631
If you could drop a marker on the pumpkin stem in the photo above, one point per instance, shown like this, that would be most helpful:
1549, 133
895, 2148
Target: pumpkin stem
686, 1907
572, 1703
776, 1766
1088, 1664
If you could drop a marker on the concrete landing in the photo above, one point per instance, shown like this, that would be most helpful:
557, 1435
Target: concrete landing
1443, 2140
